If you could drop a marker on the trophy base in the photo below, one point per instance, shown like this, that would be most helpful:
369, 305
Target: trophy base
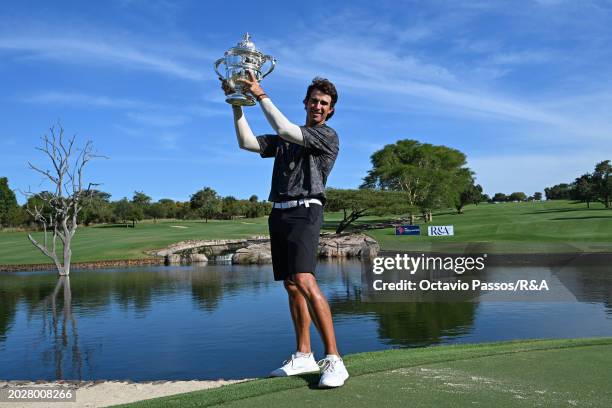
239, 99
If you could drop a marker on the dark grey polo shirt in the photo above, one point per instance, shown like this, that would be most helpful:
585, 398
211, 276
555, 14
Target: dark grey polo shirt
301, 171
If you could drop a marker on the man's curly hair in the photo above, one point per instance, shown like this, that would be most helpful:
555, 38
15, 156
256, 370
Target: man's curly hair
326, 87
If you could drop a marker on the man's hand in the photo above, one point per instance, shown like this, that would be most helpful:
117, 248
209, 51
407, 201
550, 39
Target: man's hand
251, 86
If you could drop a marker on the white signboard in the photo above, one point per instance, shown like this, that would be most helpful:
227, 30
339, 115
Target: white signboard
440, 230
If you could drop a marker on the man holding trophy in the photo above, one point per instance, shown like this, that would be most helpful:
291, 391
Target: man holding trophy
303, 159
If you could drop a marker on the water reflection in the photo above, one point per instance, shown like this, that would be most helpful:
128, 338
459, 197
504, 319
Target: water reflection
188, 322
588, 284
61, 327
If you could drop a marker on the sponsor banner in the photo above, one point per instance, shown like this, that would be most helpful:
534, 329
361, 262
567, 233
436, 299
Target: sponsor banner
408, 230
440, 230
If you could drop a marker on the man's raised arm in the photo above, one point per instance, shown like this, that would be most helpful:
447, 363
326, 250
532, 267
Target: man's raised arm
244, 134
281, 125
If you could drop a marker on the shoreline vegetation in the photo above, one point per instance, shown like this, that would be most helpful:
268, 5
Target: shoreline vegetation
525, 232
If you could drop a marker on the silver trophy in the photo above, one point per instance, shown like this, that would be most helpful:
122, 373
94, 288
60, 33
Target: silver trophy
238, 60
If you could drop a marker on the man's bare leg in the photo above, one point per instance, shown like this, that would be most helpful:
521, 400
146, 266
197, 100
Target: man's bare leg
303, 360
308, 293
300, 316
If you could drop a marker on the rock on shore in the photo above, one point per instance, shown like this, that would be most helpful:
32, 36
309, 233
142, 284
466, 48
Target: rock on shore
330, 246
348, 246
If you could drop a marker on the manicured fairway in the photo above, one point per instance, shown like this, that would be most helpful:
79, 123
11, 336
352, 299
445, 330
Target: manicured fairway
547, 373
105, 242
531, 227
542, 227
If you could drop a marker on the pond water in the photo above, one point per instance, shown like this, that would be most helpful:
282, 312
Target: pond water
231, 321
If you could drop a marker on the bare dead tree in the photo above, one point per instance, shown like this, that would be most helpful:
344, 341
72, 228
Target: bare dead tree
59, 213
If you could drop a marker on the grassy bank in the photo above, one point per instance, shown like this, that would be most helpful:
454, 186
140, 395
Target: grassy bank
545, 227
556, 373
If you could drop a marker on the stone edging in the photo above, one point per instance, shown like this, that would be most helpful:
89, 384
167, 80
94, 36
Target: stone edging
83, 265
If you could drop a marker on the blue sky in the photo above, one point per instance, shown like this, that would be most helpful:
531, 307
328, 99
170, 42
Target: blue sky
522, 88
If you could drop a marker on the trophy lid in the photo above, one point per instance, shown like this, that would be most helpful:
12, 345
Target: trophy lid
246, 43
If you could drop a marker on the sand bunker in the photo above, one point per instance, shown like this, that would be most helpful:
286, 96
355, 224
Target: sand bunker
103, 394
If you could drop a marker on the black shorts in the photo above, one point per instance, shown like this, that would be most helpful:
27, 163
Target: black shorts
294, 238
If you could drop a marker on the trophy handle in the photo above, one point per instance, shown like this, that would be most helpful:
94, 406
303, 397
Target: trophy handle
219, 61
272, 65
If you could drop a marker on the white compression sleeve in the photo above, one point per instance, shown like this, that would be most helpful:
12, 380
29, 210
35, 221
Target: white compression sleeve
281, 125
244, 134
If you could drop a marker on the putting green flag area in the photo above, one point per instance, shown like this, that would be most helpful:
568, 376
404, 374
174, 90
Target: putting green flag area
537, 373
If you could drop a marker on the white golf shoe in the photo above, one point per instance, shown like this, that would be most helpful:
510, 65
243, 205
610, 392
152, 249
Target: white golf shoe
298, 364
334, 373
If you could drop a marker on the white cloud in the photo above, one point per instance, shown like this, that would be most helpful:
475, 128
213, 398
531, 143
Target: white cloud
169, 141
143, 113
79, 99
93, 49
206, 112
379, 75
522, 57
383, 76
158, 119
132, 132
367, 58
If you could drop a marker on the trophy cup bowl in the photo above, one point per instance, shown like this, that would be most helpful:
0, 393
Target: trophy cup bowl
238, 61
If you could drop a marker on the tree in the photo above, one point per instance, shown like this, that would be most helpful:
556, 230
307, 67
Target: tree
136, 214
40, 201
499, 197
184, 210
537, 196
66, 199
206, 202
355, 204
471, 194
517, 196
141, 200
155, 211
123, 210
255, 209
468, 193
170, 207
230, 207
558, 192
141, 204
585, 189
602, 182
9, 209
96, 208
431, 176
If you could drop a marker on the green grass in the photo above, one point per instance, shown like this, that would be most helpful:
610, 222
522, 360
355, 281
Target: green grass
105, 242
532, 227
558, 226
548, 373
